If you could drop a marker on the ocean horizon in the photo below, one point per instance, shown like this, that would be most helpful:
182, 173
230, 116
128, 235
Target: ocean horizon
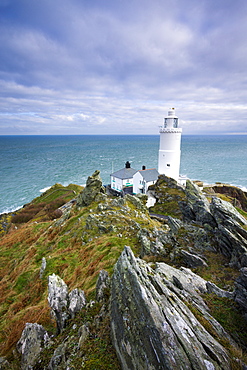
30, 164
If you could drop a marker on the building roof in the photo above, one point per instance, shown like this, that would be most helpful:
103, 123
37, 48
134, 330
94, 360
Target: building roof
150, 174
124, 173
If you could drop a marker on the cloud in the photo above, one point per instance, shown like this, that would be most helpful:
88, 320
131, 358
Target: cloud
71, 66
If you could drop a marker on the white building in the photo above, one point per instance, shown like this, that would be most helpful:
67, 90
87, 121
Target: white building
123, 178
143, 179
170, 142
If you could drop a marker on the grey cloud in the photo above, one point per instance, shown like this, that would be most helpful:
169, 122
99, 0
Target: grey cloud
119, 66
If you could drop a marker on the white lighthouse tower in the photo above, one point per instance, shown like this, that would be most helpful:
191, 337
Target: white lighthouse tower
170, 142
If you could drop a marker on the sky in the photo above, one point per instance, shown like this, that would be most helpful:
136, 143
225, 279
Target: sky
83, 67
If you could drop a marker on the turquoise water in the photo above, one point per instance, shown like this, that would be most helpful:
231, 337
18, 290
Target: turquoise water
30, 164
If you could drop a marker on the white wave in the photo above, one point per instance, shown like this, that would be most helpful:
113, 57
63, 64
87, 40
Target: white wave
44, 189
9, 209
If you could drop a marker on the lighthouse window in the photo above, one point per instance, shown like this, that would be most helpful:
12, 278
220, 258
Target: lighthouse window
168, 165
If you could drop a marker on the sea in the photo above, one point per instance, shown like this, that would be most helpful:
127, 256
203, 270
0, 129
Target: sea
29, 165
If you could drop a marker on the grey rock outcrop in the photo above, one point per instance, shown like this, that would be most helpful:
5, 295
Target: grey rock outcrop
192, 260
32, 341
58, 300
224, 212
103, 286
152, 328
77, 300
43, 267
230, 234
197, 206
241, 290
224, 227
92, 189
64, 305
4, 364
59, 360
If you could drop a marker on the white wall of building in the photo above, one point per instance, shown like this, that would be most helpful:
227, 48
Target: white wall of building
140, 186
138, 183
116, 183
119, 184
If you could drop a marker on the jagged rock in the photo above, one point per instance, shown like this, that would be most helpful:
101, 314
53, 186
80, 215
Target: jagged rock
239, 196
59, 360
192, 260
174, 223
138, 201
189, 286
241, 290
143, 236
83, 334
154, 243
102, 286
225, 213
197, 206
43, 267
170, 182
77, 300
58, 300
4, 364
64, 306
151, 326
212, 288
65, 216
231, 236
32, 341
92, 189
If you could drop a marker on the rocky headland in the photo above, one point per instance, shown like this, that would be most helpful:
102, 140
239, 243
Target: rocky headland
99, 282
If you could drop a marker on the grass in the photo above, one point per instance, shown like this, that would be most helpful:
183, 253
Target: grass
218, 271
74, 252
77, 251
234, 352
226, 312
96, 352
168, 201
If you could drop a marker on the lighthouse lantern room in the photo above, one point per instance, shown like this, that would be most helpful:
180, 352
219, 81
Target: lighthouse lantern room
170, 142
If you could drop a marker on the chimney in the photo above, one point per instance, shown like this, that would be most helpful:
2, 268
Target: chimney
127, 164
143, 168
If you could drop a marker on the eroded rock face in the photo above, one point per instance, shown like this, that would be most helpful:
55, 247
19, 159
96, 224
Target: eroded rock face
224, 212
58, 300
241, 290
230, 234
198, 205
239, 196
64, 305
32, 341
77, 300
102, 286
92, 189
215, 226
151, 326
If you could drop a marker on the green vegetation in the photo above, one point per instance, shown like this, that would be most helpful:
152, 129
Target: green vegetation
243, 213
233, 351
168, 204
77, 247
96, 352
89, 240
225, 277
226, 312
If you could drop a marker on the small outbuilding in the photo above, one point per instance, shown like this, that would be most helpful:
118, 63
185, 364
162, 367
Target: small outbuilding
143, 179
122, 179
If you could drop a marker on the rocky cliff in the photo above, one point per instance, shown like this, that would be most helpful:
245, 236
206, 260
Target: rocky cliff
164, 289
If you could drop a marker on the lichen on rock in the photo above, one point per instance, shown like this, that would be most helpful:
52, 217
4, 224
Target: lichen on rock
151, 326
33, 339
93, 188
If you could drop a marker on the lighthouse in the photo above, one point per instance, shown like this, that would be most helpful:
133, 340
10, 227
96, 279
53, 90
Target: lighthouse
170, 142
